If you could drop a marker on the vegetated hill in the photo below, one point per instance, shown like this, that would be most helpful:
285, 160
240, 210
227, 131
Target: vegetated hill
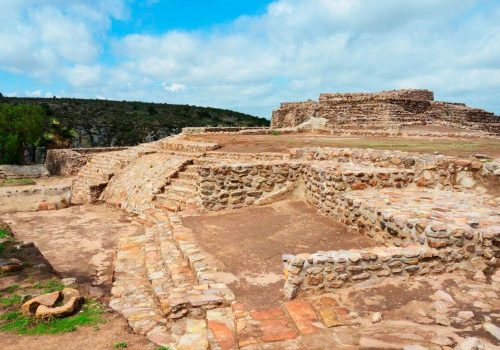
101, 123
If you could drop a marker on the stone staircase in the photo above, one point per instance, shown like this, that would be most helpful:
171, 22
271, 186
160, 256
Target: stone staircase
162, 285
94, 176
181, 193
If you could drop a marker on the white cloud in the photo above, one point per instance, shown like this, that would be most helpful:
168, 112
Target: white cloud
174, 87
83, 76
294, 51
34, 93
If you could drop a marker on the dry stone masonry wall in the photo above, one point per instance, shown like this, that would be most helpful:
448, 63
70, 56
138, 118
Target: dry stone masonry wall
237, 185
384, 110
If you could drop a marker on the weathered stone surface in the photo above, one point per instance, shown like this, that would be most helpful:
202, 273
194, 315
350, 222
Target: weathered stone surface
30, 307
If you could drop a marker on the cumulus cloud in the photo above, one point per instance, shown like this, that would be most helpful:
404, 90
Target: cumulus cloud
174, 87
294, 51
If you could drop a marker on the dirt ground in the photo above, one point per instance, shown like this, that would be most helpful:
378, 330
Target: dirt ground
78, 241
459, 147
101, 337
248, 243
37, 269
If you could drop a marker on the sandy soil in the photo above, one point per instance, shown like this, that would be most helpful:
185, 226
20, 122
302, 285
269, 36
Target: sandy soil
248, 243
78, 241
282, 143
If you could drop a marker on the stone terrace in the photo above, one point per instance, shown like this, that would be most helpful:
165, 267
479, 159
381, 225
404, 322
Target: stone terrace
427, 214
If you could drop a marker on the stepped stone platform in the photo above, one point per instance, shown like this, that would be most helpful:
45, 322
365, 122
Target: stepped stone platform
409, 215
252, 250
386, 110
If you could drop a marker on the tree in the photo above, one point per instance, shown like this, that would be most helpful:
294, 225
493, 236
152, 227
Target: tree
20, 126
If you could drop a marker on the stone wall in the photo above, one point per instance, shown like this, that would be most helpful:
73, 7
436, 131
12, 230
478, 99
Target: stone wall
328, 271
384, 110
23, 171
237, 185
67, 162
223, 129
432, 171
246, 157
35, 197
403, 94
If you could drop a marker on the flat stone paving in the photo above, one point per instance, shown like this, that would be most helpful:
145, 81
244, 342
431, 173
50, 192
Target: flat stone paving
464, 210
248, 244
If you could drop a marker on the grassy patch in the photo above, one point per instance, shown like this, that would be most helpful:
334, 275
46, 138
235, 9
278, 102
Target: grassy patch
4, 234
49, 286
11, 300
163, 348
16, 322
16, 182
120, 345
12, 288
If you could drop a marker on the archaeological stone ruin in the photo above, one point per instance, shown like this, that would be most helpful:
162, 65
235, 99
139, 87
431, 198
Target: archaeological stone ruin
424, 215
386, 110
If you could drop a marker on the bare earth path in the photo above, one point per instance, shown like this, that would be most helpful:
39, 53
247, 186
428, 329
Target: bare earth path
248, 243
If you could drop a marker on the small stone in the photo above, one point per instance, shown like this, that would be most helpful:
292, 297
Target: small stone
376, 317
442, 320
492, 329
443, 340
442, 295
471, 343
330, 318
9, 265
479, 276
465, 315
68, 281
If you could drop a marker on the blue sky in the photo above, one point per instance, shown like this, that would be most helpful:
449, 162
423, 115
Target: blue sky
249, 55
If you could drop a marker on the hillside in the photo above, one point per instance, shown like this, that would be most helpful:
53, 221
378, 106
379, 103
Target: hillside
99, 123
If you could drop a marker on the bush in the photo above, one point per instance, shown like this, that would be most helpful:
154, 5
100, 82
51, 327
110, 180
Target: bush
20, 126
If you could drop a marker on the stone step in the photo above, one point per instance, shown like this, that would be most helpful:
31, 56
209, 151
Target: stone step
170, 202
186, 183
131, 294
182, 191
173, 283
191, 172
206, 161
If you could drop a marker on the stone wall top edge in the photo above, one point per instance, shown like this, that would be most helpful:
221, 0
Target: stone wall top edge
89, 149
372, 151
346, 253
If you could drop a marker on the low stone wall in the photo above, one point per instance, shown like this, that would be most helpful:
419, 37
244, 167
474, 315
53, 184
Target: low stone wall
178, 144
23, 171
327, 271
67, 162
263, 156
222, 129
432, 171
238, 185
19, 199
328, 178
